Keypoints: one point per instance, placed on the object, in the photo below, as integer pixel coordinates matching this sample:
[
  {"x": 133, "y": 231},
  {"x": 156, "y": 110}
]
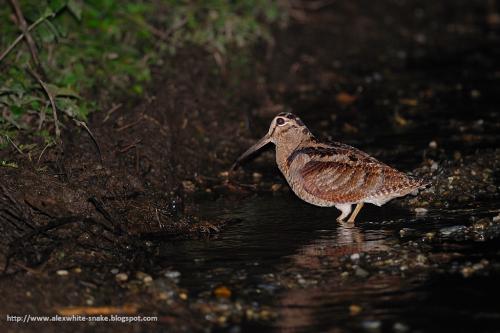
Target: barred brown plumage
[{"x": 331, "y": 173}]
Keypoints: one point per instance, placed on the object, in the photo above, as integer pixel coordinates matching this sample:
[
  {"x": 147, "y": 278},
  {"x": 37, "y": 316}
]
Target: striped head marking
[
  {"x": 286, "y": 130},
  {"x": 286, "y": 127}
]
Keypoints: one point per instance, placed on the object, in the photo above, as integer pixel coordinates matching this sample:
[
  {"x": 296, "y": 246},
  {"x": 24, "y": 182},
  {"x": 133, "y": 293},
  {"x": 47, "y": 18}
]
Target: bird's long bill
[{"x": 261, "y": 143}]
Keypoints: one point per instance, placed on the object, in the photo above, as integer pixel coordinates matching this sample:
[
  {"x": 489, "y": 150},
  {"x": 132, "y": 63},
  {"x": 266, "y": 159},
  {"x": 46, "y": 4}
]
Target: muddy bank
[
  {"x": 66, "y": 211},
  {"x": 415, "y": 85}
]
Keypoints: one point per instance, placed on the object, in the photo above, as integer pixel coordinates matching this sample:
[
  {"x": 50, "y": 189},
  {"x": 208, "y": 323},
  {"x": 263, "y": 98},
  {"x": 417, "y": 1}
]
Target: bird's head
[{"x": 286, "y": 130}]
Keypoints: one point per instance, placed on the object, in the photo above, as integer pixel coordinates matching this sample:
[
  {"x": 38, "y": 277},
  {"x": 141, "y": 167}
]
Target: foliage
[{"x": 96, "y": 49}]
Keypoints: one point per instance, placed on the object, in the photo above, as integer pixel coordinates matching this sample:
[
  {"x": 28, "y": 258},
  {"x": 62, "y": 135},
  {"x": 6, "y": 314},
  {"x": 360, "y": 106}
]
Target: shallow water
[
  {"x": 280, "y": 236},
  {"x": 298, "y": 260}
]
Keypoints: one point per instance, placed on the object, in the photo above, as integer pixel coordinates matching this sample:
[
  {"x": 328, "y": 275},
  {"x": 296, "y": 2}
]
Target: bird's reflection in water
[
  {"x": 346, "y": 240},
  {"x": 299, "y": 307}
]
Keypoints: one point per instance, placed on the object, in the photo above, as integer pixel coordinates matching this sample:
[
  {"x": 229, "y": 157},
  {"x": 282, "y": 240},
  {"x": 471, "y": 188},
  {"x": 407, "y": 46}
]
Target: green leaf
[
  {"x": 61, "y": 91},
  {"x": 75, "y": 7},
  {"x": 57, "y": 5},
  {"x": 16, "y": 110}
]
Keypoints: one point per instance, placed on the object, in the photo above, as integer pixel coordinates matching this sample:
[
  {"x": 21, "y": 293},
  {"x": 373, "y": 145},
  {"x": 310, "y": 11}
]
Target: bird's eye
[{"x": 280, "y": 121}]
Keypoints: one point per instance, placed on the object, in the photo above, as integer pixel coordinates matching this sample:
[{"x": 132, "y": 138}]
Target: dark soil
[{"x": 360, "y": 72}]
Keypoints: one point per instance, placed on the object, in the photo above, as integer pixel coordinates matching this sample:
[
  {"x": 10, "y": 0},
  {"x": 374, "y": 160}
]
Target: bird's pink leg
[{"x": 356, "y": 211}]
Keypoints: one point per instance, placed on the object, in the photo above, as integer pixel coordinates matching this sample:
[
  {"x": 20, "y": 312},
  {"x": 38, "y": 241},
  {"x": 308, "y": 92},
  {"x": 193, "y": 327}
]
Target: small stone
[
  {"x": 496, "y": 218},
  {"x": 163, "y": 296},
  {"x": 355, "y": 256},
  {"x": 421, "y": 211},
  {"x": 449, "y": 230},
  {"x": 77, "y": 270},
  {"x": 188, "y": 186},
  {"x": 430, "y": 235},
  {"x": 371, "y": 325},
  {"x": 482, "y": 224},
  {"x": 421, "y": 259},
  {"x": 256, "y": 176},
  {"x": 114, "y": 271},
  {"x": 360, "y": 272},
  {"x": 433, "y": 144},
  {"x": 62, "y": 272},
  {"x": 400, "y": 327},
  {"x": 141, "y": 276},
  {"x": 183, "y": 296},
  {"x": 224, "y": 174},
  {"x": 174, "y": 275},
  {"x": 121, "y": 277},
  {"x": 491, "y": 188}
]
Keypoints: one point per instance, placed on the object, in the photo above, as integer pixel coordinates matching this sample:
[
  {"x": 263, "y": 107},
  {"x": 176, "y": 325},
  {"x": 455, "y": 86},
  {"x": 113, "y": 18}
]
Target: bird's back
[{"x": 329, "y": 173}]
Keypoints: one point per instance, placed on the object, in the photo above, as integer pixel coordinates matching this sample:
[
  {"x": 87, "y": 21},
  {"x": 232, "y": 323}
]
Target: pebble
[
  {"x": 421, "y": 211},
  {"x": 475, "y": 93},
  {"x": 143, "y": 277},
  {"x": 449, "y": 230},
  {"x": 114, "y": 271},
  {"x": 174, "y": 275},
  {"x": 62, "y": 272},
  {"x": 257, "y": 176},
  {"x": 360, "y": 272},
  {"x": 433, "y": 144},
  {"x": 371, "y": 325},
  {"x": 121, "y": 277},
  {"x": 496, "y": 218},
  {"x": 355, "y": 256},
  {"x": 188, "y": 186},
  {"x": 400, "y": 327}
]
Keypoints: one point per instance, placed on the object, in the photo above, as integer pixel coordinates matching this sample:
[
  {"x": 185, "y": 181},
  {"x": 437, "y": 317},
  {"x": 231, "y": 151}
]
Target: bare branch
[
  {"x": 24, "y": 28},
  {"x": 20, "y": 37}
]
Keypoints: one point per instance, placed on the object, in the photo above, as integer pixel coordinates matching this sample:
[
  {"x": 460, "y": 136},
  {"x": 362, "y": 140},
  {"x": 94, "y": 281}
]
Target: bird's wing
[{"x": 345, "y": 181}]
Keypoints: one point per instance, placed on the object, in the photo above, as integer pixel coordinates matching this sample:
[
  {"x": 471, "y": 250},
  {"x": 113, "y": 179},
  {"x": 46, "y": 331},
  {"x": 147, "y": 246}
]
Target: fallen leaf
[
  {"x": 345, "y": 99},
  {"x": 408, "y": 101},
  {"x": 222, "y": 292},
  {"x": 97, "y": 310}
]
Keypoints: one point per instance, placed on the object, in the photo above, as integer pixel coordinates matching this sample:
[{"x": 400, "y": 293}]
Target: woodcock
[{"x": 330, "y": 173}]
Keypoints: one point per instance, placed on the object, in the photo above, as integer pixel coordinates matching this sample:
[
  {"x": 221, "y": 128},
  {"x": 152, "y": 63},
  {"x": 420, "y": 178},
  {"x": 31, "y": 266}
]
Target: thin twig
[
  {"x": 113, "y": 109},
  {"x": 43, "y": 151},
  {"x": 24, "y": 28},
  {"x": 51, "y": 98},
  {"x": 13, "y": 144},
  {"x": 84, "y": 125},
  {"x": 132, "y": 124}
]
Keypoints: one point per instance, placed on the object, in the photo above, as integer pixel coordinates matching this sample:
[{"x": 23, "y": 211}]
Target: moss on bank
[{"x": 87, "y": 52}]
